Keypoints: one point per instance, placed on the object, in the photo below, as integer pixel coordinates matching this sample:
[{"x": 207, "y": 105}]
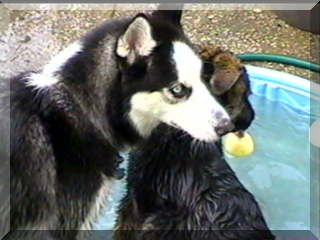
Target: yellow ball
[{"x": 237, "y": 145}]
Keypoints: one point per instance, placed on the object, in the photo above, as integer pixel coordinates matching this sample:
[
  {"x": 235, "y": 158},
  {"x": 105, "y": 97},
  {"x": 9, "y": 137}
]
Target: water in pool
[{"x": 278, "y": 173}]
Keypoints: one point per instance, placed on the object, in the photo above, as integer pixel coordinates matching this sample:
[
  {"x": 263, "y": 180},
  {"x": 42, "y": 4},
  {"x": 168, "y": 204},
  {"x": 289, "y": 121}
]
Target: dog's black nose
[{"x": 225, "y": 126}]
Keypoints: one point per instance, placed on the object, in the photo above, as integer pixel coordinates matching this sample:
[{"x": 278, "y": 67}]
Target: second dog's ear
[
  {"x": 173, "y": 16},
  {"x": 223, "y": 80},
  {"x": 137, "y": 40}
]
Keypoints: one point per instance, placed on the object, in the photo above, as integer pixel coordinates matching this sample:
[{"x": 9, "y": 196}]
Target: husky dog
[
  {"x": 181, "y": 188},
  {"x": 102, "y": 94}
]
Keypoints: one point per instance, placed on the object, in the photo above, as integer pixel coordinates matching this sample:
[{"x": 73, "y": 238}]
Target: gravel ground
[
  {"x": 32, "y": 37},
  {"x": 253, "y": 32}
]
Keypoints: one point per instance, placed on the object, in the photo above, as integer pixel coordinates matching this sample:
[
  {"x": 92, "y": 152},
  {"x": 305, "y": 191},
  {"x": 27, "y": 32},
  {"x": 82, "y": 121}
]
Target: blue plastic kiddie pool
[{"x": 283, "y": 172}]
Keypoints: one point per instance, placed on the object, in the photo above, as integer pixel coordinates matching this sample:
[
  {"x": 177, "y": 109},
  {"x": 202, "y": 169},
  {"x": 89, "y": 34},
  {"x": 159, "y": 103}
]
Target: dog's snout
[
  {"x": 224, "y": 126},
  {"x": 218, "y": 115}
]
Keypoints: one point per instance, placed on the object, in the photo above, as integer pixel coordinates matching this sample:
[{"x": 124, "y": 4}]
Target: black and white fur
[
  {"x": 102, "y": 94},
  {"x": 180, "y": 188}
]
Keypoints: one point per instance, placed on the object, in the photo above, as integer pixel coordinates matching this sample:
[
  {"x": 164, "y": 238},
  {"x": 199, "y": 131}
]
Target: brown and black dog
[{"x": 230, "y": 84}]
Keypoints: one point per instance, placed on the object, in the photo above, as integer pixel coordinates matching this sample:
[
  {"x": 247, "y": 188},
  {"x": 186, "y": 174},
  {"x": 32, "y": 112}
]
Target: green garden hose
[{"x": 256, "y": 57}]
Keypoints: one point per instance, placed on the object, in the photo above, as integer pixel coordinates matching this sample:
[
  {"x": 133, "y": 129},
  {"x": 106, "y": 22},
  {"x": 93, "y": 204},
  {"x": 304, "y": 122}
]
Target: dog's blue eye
[
  {"x": 180, "y": 91},
  {"x": 177, "y": 89}
]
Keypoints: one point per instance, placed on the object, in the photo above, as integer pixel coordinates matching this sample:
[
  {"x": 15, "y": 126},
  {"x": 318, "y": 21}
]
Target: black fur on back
[
  {"x": 182, "y": 189},
  {"x": 57, "y": 161}
]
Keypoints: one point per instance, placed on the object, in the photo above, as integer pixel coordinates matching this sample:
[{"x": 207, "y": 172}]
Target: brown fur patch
[{"x": 228, "y": 68}]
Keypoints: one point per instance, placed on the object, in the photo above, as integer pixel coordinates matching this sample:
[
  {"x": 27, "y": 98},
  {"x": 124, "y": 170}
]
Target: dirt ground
[{"x": 29, "y": 38}]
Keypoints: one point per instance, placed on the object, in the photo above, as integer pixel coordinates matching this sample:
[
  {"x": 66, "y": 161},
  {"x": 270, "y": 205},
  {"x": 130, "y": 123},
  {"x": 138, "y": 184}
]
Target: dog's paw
[
  {"x": 119, "y": 173},
  {"x": 115, "y": 171}
]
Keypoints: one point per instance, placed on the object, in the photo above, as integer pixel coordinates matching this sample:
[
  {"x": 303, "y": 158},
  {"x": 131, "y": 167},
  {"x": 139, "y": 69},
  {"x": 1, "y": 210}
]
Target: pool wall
[{"x": 284, "y": 87}]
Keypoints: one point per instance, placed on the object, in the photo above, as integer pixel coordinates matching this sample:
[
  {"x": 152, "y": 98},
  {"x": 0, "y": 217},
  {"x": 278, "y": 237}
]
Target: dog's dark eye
[
  {"x": 207, "y": 71},
  {"x": 179, "y": 90}
]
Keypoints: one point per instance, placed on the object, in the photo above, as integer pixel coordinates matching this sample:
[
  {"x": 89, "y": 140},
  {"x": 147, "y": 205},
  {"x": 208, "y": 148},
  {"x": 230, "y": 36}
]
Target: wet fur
[{"x": 179, "y": 188}]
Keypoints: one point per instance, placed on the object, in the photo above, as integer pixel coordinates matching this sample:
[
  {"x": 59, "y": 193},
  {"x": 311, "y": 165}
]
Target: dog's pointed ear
[
  {"x": 174, "y": 16},
  {"x": 223, "y": 80},
  {"x": 137, "y": 39},
  {"x": 171, "y": 12}
]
